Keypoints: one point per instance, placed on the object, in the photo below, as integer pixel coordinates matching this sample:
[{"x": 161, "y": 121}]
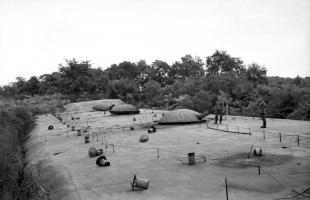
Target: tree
[
  {"x": 158, "y": 72},
  {"x": 124, "y": 70},
  {"x": 221, "y": 62},
  {"x": 152, "y": 93},
  {"x": 256, "y": 74},
  {"x": 76, "y": 77},
  {"x": 32, "y": 86},
  {"x": 188, "y": 67}
]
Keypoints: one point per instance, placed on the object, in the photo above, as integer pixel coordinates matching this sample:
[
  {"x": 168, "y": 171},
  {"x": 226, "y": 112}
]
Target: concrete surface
[{"x": 170, "y": 176}]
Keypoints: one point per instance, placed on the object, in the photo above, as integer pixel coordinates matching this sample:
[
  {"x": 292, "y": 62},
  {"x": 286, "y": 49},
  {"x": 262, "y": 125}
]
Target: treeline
[{"x": 188, "y": 83}]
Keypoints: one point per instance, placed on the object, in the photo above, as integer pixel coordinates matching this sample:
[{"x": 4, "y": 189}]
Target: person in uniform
[
  {"x": 262, "y": 111},
  {"x": 219, "y": 108}
]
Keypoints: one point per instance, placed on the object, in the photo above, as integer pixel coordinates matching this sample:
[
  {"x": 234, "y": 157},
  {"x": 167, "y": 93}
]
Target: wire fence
[{"x": 293, "y": 138}]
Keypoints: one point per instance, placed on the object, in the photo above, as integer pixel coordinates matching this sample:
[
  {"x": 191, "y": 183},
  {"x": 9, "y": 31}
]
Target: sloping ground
[
  {"x": 56, "y": 178},
  {"x": 87, "y": 106},
  {"x": 163, "y": 159}
]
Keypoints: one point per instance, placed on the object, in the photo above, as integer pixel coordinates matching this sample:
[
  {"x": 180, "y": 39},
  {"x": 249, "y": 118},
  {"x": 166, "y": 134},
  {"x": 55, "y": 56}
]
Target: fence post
[
  {"x": 157, "y": 152},
  {"x": 264, "y": 134},
  {"x": 280, "y": 137},
  {"x": 258, "y": 169},
  {"x": 226, "y": 188},
  {"x": 298, "y": 140}
]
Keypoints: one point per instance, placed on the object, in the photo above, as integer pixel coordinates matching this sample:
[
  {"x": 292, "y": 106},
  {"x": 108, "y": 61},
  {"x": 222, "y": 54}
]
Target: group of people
[{"x": 221, "y": 104}]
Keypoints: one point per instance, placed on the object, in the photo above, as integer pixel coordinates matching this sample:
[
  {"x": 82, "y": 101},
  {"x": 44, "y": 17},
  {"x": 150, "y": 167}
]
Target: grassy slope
[{"x": 16, "y": 120}]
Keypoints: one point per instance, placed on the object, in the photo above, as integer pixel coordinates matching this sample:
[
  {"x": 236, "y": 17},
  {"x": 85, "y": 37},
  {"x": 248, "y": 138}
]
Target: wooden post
[
  {"x": 264, "y": 135},
  {"x": 258, "y": 167},
  {"x": 298, "y": 140},
  {"x": 157, "y": 152},
  {"x": 226, "y": 188},
  {"x": 280, "y": 137}
]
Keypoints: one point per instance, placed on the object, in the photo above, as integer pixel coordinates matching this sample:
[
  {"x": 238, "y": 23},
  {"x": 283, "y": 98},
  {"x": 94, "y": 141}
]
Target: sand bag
[{"x": 144, "y": 138}]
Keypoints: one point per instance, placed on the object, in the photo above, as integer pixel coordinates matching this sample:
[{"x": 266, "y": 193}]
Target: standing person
[
  {"x": 219, "y": 107},
  {"x": 262, "y": 110}
]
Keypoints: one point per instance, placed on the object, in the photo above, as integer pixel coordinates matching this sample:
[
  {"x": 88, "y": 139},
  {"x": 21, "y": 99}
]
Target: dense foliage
[{"x": 190, "y": 82}]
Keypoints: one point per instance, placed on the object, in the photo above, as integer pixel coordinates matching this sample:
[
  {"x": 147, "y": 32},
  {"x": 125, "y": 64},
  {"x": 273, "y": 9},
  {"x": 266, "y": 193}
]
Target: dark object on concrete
[
  {"x": 152, "y": 129},
  {"x": 144, "y": 138},
  {"x": 86, "y": 139},
  {"x": 79, "y": 132},
  {"x": 50, "y": 127},
  {"x": 93, "y": 152},
  {"x": 132, "y": 128},
  {"x": 139, "y": 183},
  {"x": 191, "y": 158},
  {"x": 124, "y": 109},
  {"x": 103, "y": 107},
  {"x": 258, "y": 152},
  {"x": 180, "y": 116},
  {"x": 72, "y": 128},
  {"x": 102, "y": 161},
  {"x": 72, "y": 118},
  {"x": 68, "y": 125}
]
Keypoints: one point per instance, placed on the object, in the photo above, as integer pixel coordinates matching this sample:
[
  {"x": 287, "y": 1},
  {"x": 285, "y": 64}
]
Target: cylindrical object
[
  {"x": 280, "y": 137},
  {"x": 142, "y": 183},
  {"x": 191, "y": 158},
  {"x": 72, "y": 128},
  {"x": 86, "y": 139}
]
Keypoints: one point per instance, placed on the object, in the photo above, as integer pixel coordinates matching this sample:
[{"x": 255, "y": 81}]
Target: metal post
[
  {"x": 157, "y": 152},
  {"x": 226, "y": 188},
  {"x": 280, "y": 137},
  {"x": 298, "y": 140},
  {"x": 258, "y": 169}
]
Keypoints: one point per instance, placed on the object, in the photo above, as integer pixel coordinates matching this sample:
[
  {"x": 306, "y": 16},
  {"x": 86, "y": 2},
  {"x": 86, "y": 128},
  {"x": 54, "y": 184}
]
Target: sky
[{"x": 38, "y": 35}]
